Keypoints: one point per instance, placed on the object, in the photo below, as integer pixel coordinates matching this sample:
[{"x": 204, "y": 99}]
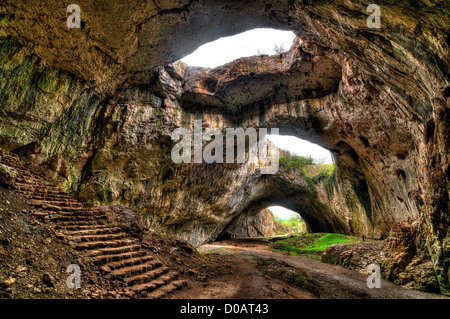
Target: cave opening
[
  {"x": 300, "y": 147},
  {"x": 260, "y": 41},
  {"x": 287, "y": 202},
  {"x": 267, "y": 220},
  {"x": 287, "y": 221}
]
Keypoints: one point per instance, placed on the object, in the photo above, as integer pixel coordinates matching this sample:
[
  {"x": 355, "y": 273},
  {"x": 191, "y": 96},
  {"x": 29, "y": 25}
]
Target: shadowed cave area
[{"x": 95, "y": 109}]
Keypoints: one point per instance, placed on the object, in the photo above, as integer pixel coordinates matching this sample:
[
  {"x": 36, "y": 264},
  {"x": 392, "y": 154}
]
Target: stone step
[
  {"x": 70, "y": 226},
  {"x": 104, "y": 259},
  {"x": 102, "y": 244},
  {"x": 167, "y": 289},
  {"x": 108, "y": 252},
  {"x": 94, "y": 231},
  {"x": 38, "y": 188},
  {"x": 89, "y": 223},
  {"x": 43, "y": 192},
  {"x": 59, "y": 209},
  {"x": 74, "y": 210},
  {"x": 48, "y": 204},
  {"x": 76, "y": 218},
  {"x": 50, "y": 197},
  {"x": 95, "y": 238},
  {"x": 136, "y": 269},
  {"x": 67, "y": 219},
  {"x": 10, "y": 161},
  {"x": 156, "y": 283},
  {"x": 76, "y": 213},
  {"x": 54, "y": 201},
  {"x": 6, "y": 154},
  {"x": 40, "y": 214},
  {"x": 146, "y": 277},
  {"x": 26, "y": 177},
  {"x": 77, "y": 225},
  {"x": 124, "y": 263},
  {"x": 30, "y": 180}
]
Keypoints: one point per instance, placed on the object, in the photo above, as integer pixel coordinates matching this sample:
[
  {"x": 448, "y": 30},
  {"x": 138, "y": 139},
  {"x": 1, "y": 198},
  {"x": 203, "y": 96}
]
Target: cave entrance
[
  {"x": 287, "y": 222},
  {"x": 272, "y": 221},
  {"x": 287, "y": 202},
  {"x": 261, "y": 41},
  {"x": 299, "y": 147}
]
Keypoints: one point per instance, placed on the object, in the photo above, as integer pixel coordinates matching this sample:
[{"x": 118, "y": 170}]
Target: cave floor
[{"x": 256, "y": 272}]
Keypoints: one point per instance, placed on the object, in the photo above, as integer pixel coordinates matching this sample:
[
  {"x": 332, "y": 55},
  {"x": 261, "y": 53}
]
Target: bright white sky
[
  {"x": 301, "y": 147},
  {"x": 224, "y": 50},
  {"x": 254, "y": 42},
  {"x": 282, "y": 212}
]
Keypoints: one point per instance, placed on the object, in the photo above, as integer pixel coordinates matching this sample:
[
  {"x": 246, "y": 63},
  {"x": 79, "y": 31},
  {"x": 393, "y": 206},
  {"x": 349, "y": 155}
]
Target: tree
[
  {"x": 279, "y": 49},
  {"x": 259, "y": 52}
]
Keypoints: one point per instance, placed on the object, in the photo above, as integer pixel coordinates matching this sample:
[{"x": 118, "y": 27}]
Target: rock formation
[
  {"x": 402, "y": 257},
  {"x": 106, "y": 98},
  {"x": 261, "y": 224}
]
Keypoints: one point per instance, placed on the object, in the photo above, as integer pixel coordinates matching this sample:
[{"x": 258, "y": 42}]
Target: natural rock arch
[{"x": 275, "y": 190}]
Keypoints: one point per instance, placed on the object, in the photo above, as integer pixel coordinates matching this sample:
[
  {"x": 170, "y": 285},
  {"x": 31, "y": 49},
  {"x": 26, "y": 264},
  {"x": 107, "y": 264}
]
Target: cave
[
  {"x": 104, "y": 98},
  {"x": 260, "y": 41},
  {"x": 268, "y": 222}
]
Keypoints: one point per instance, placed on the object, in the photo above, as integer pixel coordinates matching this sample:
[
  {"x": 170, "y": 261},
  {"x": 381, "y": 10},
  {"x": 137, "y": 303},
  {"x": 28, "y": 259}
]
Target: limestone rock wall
[
  {"x": 402, "y": 257},
  {"x": 261, "y": 224}
]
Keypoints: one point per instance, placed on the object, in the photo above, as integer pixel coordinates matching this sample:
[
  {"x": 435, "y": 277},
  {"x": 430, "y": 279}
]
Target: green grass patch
[{"x": 312, "y": 245}]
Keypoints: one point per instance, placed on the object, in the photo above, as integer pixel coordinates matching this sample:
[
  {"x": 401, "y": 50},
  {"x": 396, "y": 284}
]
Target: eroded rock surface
[
  {"x": 401, "y": 257},
  {"x": 261, "y": 224}
]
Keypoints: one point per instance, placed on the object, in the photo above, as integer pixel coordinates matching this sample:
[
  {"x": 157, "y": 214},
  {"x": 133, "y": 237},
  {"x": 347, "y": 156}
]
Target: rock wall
[
  {"x": 261, "y": 224},
  {"x": 402, "y": 257},
  {"x": 106, "y": 98}
]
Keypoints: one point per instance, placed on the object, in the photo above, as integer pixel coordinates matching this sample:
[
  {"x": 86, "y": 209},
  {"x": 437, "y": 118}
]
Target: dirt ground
[
  {"x": 242, "y": 279},
  {"x": 34, "y": 258},
  {"x": 34, "y": 261},
  {"x": 256, "y": 272}
]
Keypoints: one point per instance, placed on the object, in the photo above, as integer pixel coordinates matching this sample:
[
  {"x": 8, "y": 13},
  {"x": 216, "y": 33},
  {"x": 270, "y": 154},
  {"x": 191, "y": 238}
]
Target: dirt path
[
  {"x": 246, "y": 279},
  {"x": 241, "y": 280}
]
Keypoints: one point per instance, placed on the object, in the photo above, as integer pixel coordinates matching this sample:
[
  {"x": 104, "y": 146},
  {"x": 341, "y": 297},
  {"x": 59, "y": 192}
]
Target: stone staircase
[{"x": 119, "y": 256}]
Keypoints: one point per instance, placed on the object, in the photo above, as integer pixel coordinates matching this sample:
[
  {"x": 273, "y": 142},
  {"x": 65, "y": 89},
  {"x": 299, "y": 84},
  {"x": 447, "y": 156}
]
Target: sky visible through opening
[
  {"x": 249, "y": 43},
  {"x": 299, "y": 147},
  {"x": 282, "y": 212}
]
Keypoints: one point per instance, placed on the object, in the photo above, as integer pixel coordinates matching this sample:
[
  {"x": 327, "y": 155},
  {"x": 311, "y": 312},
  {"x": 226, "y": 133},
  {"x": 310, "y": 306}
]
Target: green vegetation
[
  {"x": 293, "y": 225},
  {"x": 316, "y": 173},
  {"x": 310, "y": 168},
  {"x": 104, "y": 187},
  {"x": 311, "y": 245},
  {"x": 295, "y": 162}
]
